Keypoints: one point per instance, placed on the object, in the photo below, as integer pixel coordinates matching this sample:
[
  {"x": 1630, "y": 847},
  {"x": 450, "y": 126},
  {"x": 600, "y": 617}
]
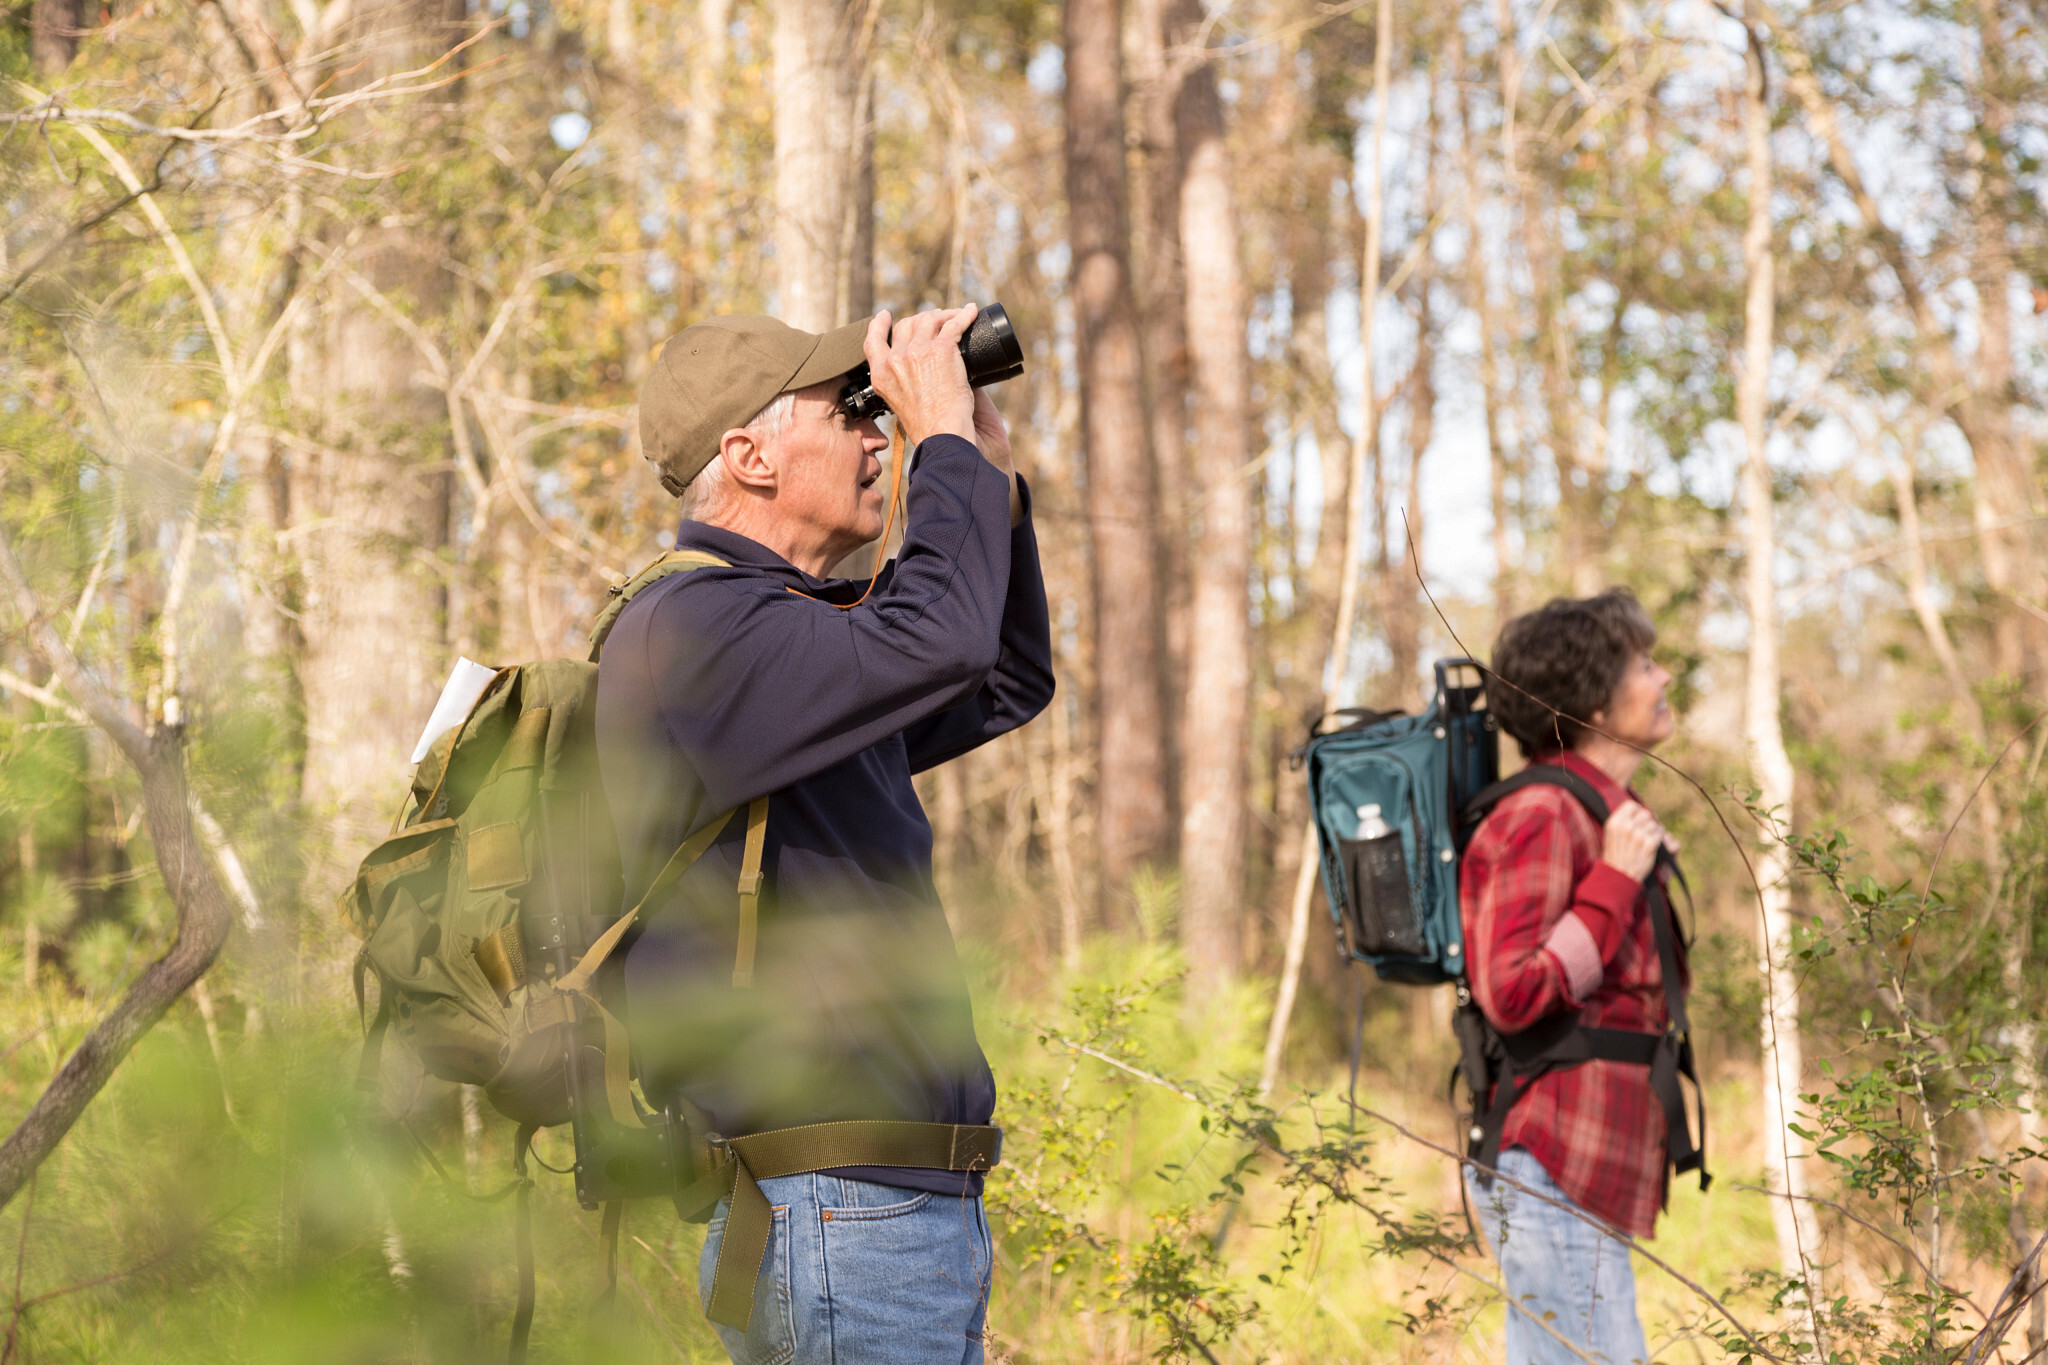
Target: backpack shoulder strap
[
  {"x": 1535, "y": 775},
  {"x": 675, "y": 561}
]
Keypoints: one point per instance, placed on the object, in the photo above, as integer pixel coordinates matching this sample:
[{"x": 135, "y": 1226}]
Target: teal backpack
[{"x": 1386, "y": 788}]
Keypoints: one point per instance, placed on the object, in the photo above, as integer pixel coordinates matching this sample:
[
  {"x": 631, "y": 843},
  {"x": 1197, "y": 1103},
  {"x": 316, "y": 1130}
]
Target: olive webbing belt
[{"x": 798, "y": 1151}]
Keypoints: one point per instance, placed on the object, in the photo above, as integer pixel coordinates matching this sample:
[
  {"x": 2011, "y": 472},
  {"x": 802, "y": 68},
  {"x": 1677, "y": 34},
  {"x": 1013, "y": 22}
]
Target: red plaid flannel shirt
[{"x": 1550, "y": 927}]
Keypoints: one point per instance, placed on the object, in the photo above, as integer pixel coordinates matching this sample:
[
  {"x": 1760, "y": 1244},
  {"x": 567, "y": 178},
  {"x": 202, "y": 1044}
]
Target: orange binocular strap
[{"x": 888, "y": 522}]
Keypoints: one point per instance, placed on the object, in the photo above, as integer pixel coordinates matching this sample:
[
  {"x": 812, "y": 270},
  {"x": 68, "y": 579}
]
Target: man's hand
[
  {"x": 992, "y": 434},
  {"x": 915, "y": 364},
  {"x": 1630, "y": 841}
]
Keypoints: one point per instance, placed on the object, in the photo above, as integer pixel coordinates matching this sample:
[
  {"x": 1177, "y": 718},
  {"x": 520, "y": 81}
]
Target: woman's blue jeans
[
  {"x": 1559, "y": 1270},
  {"x": 862, "y": 1274}
]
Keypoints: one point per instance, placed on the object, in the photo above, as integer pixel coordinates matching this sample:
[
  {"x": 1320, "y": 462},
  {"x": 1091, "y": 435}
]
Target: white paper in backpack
[{"x": 466, "y": 682}]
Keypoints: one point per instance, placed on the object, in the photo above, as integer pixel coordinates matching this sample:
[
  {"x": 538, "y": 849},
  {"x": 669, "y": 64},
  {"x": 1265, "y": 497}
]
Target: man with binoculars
[{"x": 797, "y": 989}]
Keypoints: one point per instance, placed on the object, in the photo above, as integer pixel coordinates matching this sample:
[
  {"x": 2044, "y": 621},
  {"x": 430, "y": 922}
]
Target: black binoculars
[{"x": 989, "y": 346}]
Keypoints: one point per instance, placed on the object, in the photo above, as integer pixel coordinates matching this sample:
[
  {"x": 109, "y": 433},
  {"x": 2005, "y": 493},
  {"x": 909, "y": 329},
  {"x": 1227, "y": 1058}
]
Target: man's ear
[{"x": 746, "y": 462}]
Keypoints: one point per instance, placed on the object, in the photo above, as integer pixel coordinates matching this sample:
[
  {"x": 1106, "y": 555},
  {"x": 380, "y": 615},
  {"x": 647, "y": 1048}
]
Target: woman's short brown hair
[{"x": 1555, "y": 666}]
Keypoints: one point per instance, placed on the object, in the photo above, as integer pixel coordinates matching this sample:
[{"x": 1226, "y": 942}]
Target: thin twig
[
  {"x": 28, "y": 1211},
  {"x": 1927, "y": 890},
  {"x": 1855, "y": 1218}
]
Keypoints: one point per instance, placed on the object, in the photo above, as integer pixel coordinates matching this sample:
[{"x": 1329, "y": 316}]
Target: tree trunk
[
  {"x": 1578, "y": 539},
  {"x": 369, "y": 507},
  {"x": 1479, "y": 285},
  {"x": 1309, "y": 282},
  {"x": 1403, "y": 594},
  {"x": 1308, "y": 240},
  {"x": 1401, "y": 556},
  {"x": 1218, "y": 695},
  {"x": 860, "y": 231},
  {"x": 53, "y": 30},
  {"x": 1578, "y": 532},
  {"x": 1131, "y": 796},
  {"x": 700, "y": 148},
  {"x": 2003, "y": 488},
  {"x": 1763, "y": 733},
  {"x": 1365, "y": 445},
  {"x": 821, "y": 58},
  {"x": 1162, "y": 298},
  {"x": 1309, "y": 248}
]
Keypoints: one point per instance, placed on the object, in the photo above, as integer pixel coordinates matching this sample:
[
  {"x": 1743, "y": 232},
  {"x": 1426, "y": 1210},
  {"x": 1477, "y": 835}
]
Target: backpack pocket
[
  {"x": 412, "y": 862},
  {"x": 1385, "y": 877},
  {"x": 437, "y": 1000},
  {"x": 533, "y": 1084},
  {"x": 1383, "y": 914}
]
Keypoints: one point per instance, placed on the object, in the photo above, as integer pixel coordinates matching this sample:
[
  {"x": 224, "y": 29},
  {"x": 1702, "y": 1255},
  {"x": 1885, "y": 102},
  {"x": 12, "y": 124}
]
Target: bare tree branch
[{"x": 204, "y": 914}]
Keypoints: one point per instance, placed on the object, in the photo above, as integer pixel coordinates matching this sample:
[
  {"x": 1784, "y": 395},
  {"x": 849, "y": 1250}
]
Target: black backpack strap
[
  {"x": 1535, "y": 775},
  {"x": 1674, "y": 1047}
]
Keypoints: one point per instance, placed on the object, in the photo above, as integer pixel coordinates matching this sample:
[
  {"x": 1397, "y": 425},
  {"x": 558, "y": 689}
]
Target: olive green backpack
[{"x": 487, "y": 912}]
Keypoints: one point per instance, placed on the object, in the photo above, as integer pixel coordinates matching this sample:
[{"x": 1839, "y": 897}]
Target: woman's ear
[{"x": 746, "y": 463}]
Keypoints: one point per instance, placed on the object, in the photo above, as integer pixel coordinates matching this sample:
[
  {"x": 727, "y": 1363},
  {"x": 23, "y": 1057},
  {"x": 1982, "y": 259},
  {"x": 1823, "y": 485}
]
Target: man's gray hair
[{"x": 708, "y": 495}]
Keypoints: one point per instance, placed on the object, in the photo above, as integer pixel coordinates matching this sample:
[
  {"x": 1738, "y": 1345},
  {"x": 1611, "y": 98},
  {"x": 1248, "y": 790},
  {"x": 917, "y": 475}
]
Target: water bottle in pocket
[{"x": 1382, "y": 899}]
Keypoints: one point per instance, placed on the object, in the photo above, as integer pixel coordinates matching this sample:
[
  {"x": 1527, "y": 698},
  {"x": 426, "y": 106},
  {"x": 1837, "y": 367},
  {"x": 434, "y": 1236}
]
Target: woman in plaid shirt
[{"x": 1556, "y": 918}]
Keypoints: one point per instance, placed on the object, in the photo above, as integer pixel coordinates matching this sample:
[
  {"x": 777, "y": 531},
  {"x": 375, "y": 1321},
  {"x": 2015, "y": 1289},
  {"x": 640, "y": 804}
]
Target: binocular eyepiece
[{"x": 989, "y": 346}]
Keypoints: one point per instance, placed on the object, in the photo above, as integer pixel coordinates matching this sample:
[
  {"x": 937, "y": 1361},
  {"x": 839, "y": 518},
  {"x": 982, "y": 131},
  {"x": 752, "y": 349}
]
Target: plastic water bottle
[{"x": 1383, "y": 903}]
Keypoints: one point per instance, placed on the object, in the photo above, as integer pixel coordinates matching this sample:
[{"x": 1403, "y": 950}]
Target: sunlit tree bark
[
  {"x": 1218, "y": 698},
  {"x": 53, "y": 28},
  {"x": 821, "y": 57},
  {"x": 1122, "y": 498},
  {"x": 1159, "y": 69},
  {"x": 1763, "y": 732},
  {"x": 369, "y": 500},
  {"x": 1479, "y": 288},
  {"x": 708, "y": 60},
  {"x": 2004, "y": 489}
]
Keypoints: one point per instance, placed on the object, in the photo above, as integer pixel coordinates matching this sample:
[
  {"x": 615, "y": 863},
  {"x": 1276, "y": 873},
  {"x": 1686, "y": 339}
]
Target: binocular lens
[{"x": 989, "y": 347}]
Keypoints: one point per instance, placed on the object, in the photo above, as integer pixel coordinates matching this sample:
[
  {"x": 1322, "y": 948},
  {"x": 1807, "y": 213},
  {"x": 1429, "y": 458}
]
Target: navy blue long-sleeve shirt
[{"x": 725, "y": 684}]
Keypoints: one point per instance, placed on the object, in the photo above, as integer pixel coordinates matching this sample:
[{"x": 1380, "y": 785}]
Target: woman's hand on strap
[{"x": 1630, "y": 841}]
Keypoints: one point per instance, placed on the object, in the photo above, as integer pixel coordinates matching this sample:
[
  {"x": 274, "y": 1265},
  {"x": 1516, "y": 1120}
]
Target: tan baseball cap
[{"x": 716, "y": 375}]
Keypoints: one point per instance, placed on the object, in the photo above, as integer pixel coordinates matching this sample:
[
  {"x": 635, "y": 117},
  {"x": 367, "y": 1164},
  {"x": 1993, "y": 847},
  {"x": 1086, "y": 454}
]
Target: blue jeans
[
  {"x": 862, "y": 1274},
  {"x": 1559, "y": 1270}
]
